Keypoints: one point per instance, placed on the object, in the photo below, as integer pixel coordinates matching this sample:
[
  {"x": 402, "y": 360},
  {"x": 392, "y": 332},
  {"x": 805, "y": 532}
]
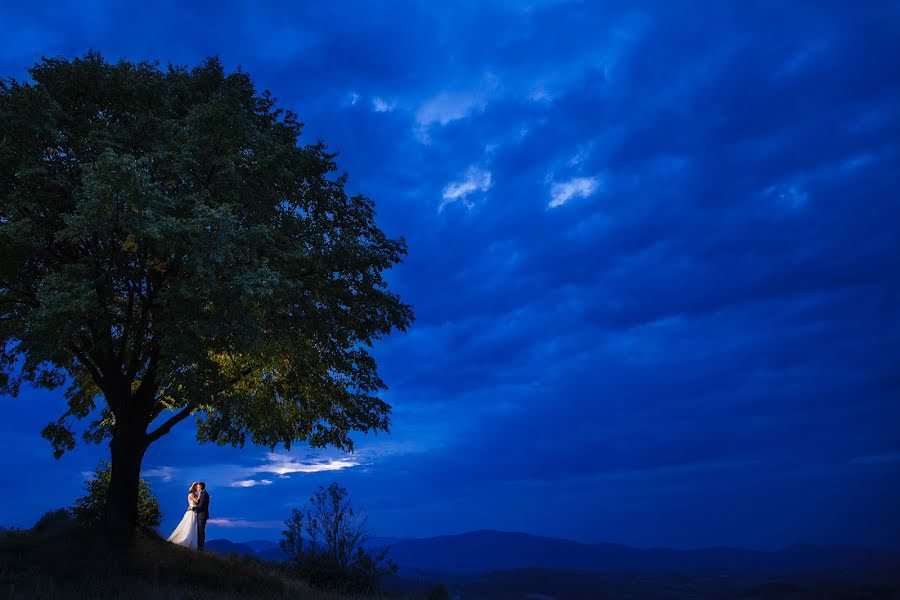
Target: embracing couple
[{"x": 191, "y": 532}]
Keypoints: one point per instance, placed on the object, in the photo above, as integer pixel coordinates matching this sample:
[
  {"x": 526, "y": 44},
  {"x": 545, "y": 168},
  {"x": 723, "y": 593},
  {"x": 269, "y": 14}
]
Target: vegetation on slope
[{"x": 64, "y": 559}]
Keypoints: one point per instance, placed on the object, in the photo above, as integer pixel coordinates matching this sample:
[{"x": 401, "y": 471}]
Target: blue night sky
[{"x": 652, "y": 256}]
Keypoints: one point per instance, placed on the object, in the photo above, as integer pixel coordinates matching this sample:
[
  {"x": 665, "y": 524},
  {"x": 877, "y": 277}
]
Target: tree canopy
[{"x": 169, "y": 249}]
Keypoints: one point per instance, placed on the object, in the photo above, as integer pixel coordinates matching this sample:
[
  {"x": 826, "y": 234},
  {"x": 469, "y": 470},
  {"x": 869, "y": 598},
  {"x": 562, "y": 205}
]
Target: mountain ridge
[{"x": 487, "y": 550}]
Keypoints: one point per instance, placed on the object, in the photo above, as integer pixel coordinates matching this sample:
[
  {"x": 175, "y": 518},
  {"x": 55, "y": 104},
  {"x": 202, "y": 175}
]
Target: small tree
[
  {"x": 326, "y": 544},
  {"x": 90, "y": 508},
  {"x": 51, "y": 520}
]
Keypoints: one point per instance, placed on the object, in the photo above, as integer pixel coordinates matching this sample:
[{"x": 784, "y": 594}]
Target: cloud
[
  {"x": 580, "y": 187},
  {"x": 475, "y": 180},
  {"x": 703, "y": 319},
  {"x": 242, "y": 476},
  {"x": 539, "y": 94},
  {"x": 788, "y": 195},
  {"x": 232, "y": 523},
  {"x": 285, "y": 464},
  {"x": 379, "y": 105},
  {"x": 580, "y": 156},
  {"x": 245, "y": 483},
  {"x": 447, "y": 107},
  {"x": 278, "y": 464},
  {"x": 163, "y": 473}
]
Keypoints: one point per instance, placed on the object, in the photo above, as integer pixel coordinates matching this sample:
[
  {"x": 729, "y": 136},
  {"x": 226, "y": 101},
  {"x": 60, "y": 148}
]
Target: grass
[{"x": 72, "y": 561}]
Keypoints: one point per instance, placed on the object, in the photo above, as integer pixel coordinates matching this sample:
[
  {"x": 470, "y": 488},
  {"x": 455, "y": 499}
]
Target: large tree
[{"x": 169, "y": 249}]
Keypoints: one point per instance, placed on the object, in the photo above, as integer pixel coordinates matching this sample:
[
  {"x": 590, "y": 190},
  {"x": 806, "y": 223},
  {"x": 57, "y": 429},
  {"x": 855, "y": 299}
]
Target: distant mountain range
[
  {"x": 263, "y": 549},
  {"x": 487, "y": 550},
  {"x": 268, "y": 550}
]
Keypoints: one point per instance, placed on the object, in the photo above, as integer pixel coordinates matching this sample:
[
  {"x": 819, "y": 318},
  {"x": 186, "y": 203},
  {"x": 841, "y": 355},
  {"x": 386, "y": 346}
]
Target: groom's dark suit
[{"x": 202, "y": 510}]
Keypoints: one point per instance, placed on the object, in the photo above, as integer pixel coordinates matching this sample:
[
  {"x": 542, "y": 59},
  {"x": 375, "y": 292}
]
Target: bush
[
  {"x": 52, "y": 519},
  {"x": 90, "y": 508},
  {"x": 325, "y": 545}
]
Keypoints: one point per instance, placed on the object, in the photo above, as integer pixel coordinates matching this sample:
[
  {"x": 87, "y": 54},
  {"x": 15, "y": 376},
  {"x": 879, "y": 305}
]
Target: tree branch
[
  {"x": 185, "y": 412},
  {"x": 174, "y": 420},
  {"x": 137, "y": 357},
  {"x": 129, "y": 312},
  {"x": 28, "y": 294},
  {"x": 148, "y": 386},
  {"x": 84, "y": 360}
]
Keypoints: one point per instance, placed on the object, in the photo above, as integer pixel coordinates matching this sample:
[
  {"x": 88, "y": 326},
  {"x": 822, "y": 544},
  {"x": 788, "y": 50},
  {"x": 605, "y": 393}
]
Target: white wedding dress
[{"x": 186, "y": 532}]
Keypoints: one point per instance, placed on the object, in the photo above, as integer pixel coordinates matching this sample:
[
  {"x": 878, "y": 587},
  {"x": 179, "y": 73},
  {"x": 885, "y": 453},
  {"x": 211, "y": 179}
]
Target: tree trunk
[{"x": 127, "y": 452}]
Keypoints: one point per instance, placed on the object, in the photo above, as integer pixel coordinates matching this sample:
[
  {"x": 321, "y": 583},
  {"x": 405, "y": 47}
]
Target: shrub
[
  {"x": 53, "y": 518},
  {"x": 90, "y": 507},
  {"x": 325, "y": 544}
]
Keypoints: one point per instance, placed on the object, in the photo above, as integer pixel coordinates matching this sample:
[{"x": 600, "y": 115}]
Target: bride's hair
[{"x": 193, "y": 485}]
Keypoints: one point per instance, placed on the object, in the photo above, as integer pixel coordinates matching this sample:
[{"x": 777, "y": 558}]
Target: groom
[{"x": 202, "y": 510}]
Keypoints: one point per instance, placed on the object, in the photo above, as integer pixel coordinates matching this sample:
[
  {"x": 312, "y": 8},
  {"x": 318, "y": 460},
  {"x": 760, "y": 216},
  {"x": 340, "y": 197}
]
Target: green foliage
[
  {"x": 169, "y": 246},
  {"x": 89, "y": 508},
  {"x": 325, "y": 544}
]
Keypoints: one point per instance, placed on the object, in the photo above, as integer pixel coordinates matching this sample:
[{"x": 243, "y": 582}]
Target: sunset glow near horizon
[{"x": 653, "y": 258}]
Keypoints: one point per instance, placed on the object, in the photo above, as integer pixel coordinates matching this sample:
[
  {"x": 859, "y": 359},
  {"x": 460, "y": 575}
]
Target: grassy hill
[{"x": 68, "y": 560}]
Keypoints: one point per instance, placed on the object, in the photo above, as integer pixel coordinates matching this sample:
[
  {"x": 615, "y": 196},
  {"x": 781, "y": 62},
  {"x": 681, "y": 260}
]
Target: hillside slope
[{"x": 71, "y": 561}]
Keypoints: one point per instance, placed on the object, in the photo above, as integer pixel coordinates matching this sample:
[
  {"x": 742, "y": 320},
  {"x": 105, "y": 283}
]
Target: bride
[{"x": 186, "y": 532}]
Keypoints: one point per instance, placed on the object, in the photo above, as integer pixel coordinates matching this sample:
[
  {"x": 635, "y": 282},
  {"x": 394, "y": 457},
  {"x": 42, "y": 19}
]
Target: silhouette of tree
[{"x": 326, "y": 544}]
